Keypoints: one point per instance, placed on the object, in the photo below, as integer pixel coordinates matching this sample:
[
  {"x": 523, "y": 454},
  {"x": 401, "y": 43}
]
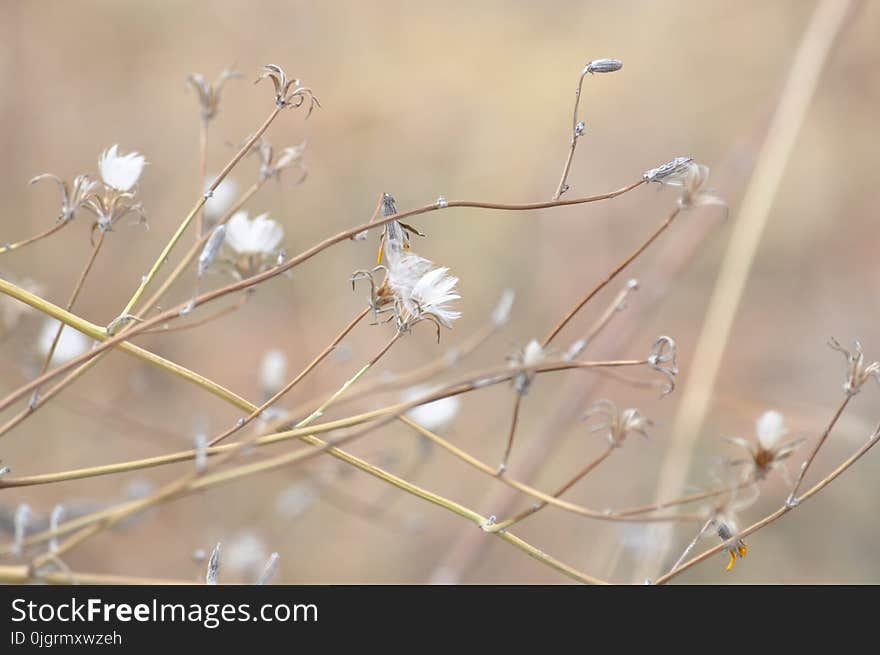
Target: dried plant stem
[
  {"x": 73, "y": 296},
  {"x": 692, "y": 544},
  {"x": 166, "y": 251},
  {"x": 562, "y": 188},
  {"x": 203, "y": 172},
  {"x": 9, "y": 247},
  {"x": 510, "y": 435},
  {"x": 503, "y": 525},
  {"x": 500, "y": 375},
  {"x": 210, "y": 318},
  {"x": 824, "y": 29},
  {"x": 290, "y": 385},
  {"x": 613, "y": 274},
  {"x": 23, "y": 574},
  {"x": 806, "y": 465},
  {"x": 549, "y": 499},
  {"x": 174, "y": 488},
  {"x": 683, "y": 500},
  {"x": 196, "y": 248},
  {"x": 195, "y": 483},
  {"x": 101, "y": 333},
  {"x": 779, "y": 513},
  {"x": 43, "y": 398}
]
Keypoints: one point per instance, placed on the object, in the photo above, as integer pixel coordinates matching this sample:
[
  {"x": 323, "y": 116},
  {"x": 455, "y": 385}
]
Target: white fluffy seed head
[{"x": 120, "y": 172}]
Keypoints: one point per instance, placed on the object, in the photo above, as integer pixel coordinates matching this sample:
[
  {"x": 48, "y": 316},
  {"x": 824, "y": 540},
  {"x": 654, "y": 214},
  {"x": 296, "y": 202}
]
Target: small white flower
[
  {"x": 221, "y": 200},
  {"x": 260, "y": 236},
  {"x": 120, "y": 171},
  {"x": 434, "y": 415},
  {"x": 533, "y": 353},
  {"x": 769, "y": 428},
  {"x": 71, "y": 344},
  {"x": 273, "y": 371}
]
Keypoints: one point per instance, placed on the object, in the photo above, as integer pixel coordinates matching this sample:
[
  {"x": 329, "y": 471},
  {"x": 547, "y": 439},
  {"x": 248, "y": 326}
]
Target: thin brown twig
[
  {"x": 9, "y": 247},
  {"x": 132, "y": 330}
]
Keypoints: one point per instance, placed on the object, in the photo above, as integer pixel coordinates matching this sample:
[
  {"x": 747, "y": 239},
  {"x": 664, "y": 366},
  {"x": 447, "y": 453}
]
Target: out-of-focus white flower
[
  {"x": 245, "y": 554},
  {"x": 120, "y": 171},
  {"x": 273, "y": 371},
  {"x": 769, "y": 427},
  {"x": 294, "y": 500},
  {"x": 72, "y": 343},
  {"x": 435, "y": 415},
  {"x": 258, "y": 236},
  {"x": 221, "y": 200}
]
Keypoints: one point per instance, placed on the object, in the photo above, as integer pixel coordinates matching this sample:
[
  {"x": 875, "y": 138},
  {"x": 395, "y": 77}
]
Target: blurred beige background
[{"x": 472, "y": 101}]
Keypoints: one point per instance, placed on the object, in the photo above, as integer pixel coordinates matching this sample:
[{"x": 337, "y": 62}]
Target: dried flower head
[
  {"x": 412, "y": 291},
  {"x": 289, "y": 157},
  {"x": 288, "y": 91},
  {"x": 725, "y": 528},
  {"x": 603, "y": 66},
  {"x": 662, "y": 359},
  {"x": 72, "y": 198},
  {"x": 209, "y": 94},
  {"x": 245, "y": 554},
  {"x": 766, "y": 453},
  {"x": 857, "y": 370},
  {"x": 618, "y": 424},
  {"x": 396, "y": 236},
  {"x": 529, "y": 356}
]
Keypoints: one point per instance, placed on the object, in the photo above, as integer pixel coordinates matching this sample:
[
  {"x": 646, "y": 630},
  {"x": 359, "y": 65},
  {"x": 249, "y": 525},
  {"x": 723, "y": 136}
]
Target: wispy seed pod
[
  {"x": 501, "y": 313},
  {"x": 603, "y": 66},
  {"x": 201, "y": 443},
  {"x": 213, "y": 565},
  {"x": 54, "y": 520},
  {"x": 676, "y": 166},
  {"x": 20, "y": 521},
  {"x": 212, "y": 247},
  {"x": 269, "y": 570}
]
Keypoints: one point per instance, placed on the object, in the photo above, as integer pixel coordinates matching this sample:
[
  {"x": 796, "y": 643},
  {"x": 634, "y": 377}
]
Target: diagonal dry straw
[{"x": 826, "y": 24}]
